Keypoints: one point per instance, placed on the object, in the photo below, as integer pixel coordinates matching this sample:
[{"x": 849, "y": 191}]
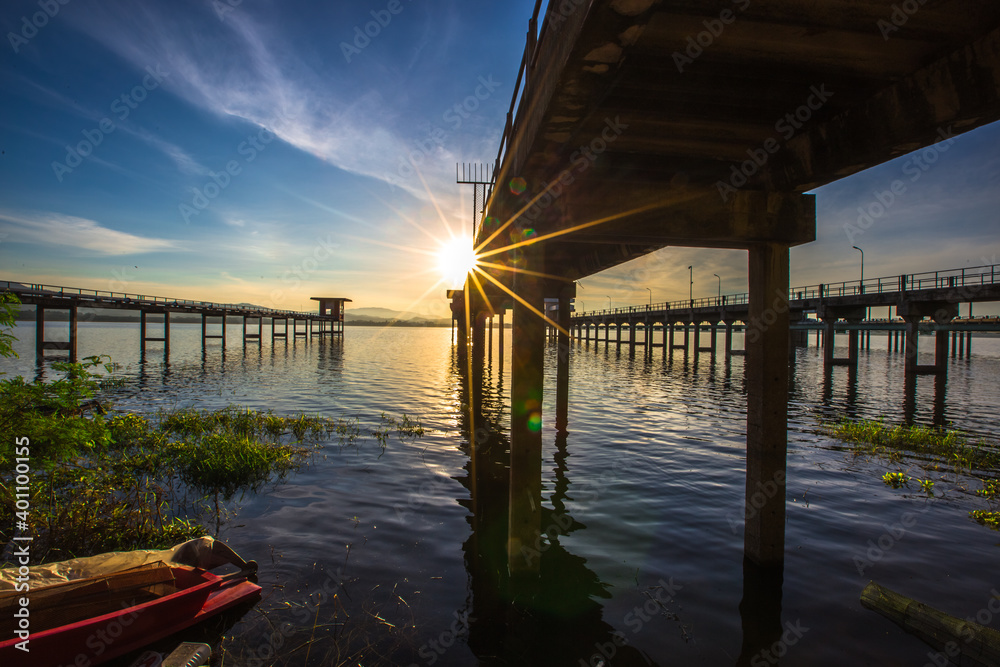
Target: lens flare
[
  {"x": 455, "y": 259},
  {"x": 518, "y": 185}
]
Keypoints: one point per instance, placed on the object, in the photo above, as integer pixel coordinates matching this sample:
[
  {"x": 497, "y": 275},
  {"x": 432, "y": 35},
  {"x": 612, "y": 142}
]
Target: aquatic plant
[
  {"x": 936, "y": 448},
  {"x": 104, "y": 482},
  {"x": 895, "y": 479},
  {"x": 987, "y": 518}
]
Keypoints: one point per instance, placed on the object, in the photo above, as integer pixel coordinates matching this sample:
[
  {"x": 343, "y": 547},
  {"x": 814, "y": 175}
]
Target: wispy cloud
[
  {"x": 46, "y": 228},
  {"x": 244, "y": 70},
  {"x": 46, "y": 95}
]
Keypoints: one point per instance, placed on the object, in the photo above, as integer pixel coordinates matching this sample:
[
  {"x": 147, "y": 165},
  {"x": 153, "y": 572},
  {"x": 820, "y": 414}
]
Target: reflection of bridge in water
[
  {"x": 559, "y": 618},
  {"x": 614, "y": 147}
]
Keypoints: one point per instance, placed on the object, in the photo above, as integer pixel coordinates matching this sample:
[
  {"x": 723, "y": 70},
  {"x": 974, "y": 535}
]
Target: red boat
[{"x": 91, "y": 620}]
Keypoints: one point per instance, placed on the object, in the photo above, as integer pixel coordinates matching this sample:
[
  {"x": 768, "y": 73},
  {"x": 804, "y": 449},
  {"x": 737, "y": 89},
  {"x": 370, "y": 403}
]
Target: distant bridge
[{"x": 329, "y": 320}]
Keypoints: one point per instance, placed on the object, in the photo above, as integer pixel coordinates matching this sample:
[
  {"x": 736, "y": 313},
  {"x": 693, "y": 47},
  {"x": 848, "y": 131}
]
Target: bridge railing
[
  {"x": 972, "y": 276},
  {"x": 531, "y": 42},
  {"x": 39, "y": 290}
]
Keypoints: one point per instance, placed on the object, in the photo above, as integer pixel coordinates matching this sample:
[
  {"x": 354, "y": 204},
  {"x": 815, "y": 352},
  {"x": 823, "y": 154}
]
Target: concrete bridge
[
  {"x": 328, "y": 321},
  {"x": 641, "y": 124},
  {"x": 936, "y": 294}
]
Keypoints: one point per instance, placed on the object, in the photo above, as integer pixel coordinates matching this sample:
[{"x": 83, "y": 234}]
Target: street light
[
  {"x": 720, "y": 286},
  {"x": 691, "y": 286},
  {"x": 861, "y": 285},
  {"x": 650, "y": 296},
  {"x": 609, "y": 301}
]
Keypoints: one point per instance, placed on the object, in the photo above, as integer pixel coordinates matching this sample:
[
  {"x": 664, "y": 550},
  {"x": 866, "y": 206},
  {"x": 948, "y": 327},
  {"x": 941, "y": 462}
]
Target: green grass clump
[
  {"x": 987, "y": 518},
  {"x": 944, "y": 448},
  {"x": 896, "y": 480},
  {"x": 109, "y": 482},
  {"x": 953, "y": 446}
]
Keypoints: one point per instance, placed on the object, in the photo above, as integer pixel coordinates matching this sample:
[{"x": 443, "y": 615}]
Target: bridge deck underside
[{"x": 701, "y": 123}]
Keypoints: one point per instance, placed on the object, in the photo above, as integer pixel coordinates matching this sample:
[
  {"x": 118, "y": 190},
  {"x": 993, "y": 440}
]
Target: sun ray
[
  {"x": 569, "y": 230},
  {"x": 395, "y": 246},
  {"x": 514, "y": 217},
  {"x": 514, "y": 269},
  {"x": 523, "y": 302}
]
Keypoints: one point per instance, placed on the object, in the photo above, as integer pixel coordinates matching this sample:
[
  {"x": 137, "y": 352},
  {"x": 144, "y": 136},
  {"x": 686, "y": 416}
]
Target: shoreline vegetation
[
  {"x": 932, "y": 450},
  {"x": 102, "y": 480}
]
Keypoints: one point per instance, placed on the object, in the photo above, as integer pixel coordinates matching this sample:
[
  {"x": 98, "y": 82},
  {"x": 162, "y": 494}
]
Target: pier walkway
[{"x": 329, "y": 321}]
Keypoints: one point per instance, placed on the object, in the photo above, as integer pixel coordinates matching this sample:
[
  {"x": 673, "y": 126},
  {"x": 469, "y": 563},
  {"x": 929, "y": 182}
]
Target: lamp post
[
  {"x": 720, "y": 286},
  {"x": 861, "y": 285},
  {"x": 609, "y": 301},
  {"x": 691, "y": 285},
  {"x": 650, "y": 296}
]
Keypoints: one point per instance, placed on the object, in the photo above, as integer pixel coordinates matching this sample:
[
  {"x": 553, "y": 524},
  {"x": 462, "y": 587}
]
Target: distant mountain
[{"x": 380, "y": 314}]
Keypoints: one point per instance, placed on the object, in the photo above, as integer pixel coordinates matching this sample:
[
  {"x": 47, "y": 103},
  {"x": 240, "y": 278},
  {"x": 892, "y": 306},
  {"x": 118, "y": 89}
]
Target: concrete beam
[{"x": 953, "y": 94}]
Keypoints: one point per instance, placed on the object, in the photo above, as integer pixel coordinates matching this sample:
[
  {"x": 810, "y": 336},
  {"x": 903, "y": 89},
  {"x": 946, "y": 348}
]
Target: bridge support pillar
[
  {"x": 73, "y": 322},
  {"x": 479, "y": 315},
  {"x": 500, "y": 334},
  {"x": 39, "y": 333},
  {"x": 912, "y": 313},
  {"x": 525, "y": 502},
  {"x": 729, "y": 340},
  {"x": 767, "y": 405},
  {"x": 562, "y": 362}
]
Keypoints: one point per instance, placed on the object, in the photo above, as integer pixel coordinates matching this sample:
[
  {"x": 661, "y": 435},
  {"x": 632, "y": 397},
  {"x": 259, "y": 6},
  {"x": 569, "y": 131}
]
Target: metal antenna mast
[{"x": 480, "y": 177}]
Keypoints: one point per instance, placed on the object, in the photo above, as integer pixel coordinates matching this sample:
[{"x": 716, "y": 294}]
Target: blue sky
[{"x": 237, "y": 151}]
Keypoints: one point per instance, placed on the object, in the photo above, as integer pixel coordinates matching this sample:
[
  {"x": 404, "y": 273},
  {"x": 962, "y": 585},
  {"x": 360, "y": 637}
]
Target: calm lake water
[{"x": 647, "y": 490}]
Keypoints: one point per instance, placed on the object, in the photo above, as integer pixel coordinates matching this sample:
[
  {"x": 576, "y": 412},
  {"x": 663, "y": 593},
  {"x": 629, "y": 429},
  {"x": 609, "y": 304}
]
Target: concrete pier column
[
  {"x": 670, "y": 338},
  {"x": 961, "y": 345},
  {"x": 142, "y": 332},
  {"x": 829, "y": 336},
  {"x": 73, "y": 321},
  {"x": 852, "y": 349},
  {"x": 767, "y": 405},
  {"x": 714, "y": 338},
  {"x": 910, "y": 349},
  {"x": 941, "y": 351},
  {"x": 39, "y": 333},
  {"x": 954, "y": 344},
  {"x": 204, "y": 330},
  {"x": 224, "y": 331},
  {"x": 631, "y": 338},
  {"x": 500, "y": 333},
  {"x": 166, "y": 333},
  {"x": 968, "y": 345},
  {"x": 525, "y": 502},
  {"x": 687, "y": 337},
  {"x": 562, "y": 362},
  {"x": 729, "y": 340}
]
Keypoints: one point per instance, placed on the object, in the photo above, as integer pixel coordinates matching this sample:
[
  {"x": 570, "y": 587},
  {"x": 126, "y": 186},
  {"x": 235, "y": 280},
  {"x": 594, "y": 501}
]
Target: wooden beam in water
[{"x": 977, "y": 645}]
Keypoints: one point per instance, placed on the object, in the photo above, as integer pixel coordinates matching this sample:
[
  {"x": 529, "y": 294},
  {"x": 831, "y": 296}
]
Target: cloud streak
[
  {"x": 236, "y": 72},
  {"x": 46, "y": 228}
]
